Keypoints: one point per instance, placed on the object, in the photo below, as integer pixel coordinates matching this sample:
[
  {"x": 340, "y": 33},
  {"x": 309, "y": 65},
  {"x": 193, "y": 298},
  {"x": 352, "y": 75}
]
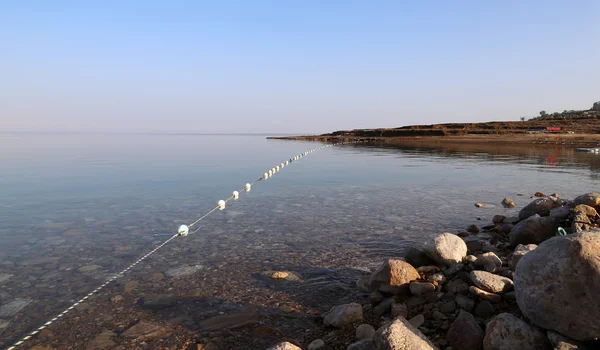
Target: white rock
[{"x": 446, "y": 248}]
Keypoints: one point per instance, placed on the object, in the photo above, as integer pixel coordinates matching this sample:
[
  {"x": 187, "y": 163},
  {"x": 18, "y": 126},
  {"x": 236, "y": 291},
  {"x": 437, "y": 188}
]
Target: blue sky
[{"x": 291, "y": 66}]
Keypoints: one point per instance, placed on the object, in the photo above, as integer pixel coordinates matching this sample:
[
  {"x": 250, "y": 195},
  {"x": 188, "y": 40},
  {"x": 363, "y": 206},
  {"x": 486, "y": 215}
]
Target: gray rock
[
  {"x": 534, "y": 229},
  {"x": 557, "y": 285},
  {"x": 316, "y": 344},
  {"x": 417, "y": 258},
  {"x": 508, "y": 203},
  {"x": 465, "y": 333},
  {"x": 284, "y": 346},
  {"x": 540, "y": 206},
  {"x": 473, "y": 229},
  {"x": 13, "y": 307},
  {"x": 415, "y": 301},
  {"x": 393, "y": 277},
  {"x": 159, "y": 302},
  {"x": 520, "y": 252},
  {"x": 366, "y": 344},
  {"x": 513, "y": 220},
  {"x": 399, "y": 309},
  {"x": 507, "y": 332},
  {"x": 484, "y": 309},
  {"x": 383, "y": 307},
  {"x": 560, "y": 213},
  {"x": 437, "y": 277},
  {"x": 498, "y": 219},
  {"x": 487, "y": 258},
  {"x": 343, "y": 315},
  {"x": 446, "y": 248},
  {"x": 465, "y": 303},
  {"x": 453, "y": 270},
  {"x": 560, "y": 342},
  {"x": 490, "y": 282},
  {"x": 401, "y": 335},
  {"x": 591, "y": 199},
  {"x": 448, "y": 307},
  {"x": 457, "y": 286},
  {"x": 417, "y": 321},
  {"x": 185, "y": 270},
  {"x": 420, "y": 288},
  {"x": 365, "y": 331}
]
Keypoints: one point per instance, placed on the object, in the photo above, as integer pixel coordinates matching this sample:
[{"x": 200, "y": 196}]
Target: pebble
[
  {"x": 465, "y": 303},
  {"x": 473, "y": 229},
  {"x": 489, "y": 257},
  {"x": 494, "y": 298},
  {"x": 365, "y": 331},
  {"x": 420, "y": 288},
  {"x": 383, "y": 307},
  {"x": 484, "y": 309},
  {"x": 399, "y": 309},
  {"x": 417, "y": 321},
  {"x": 457, "y": 286},
  {"x": 448, "y": 307},
  {"x": 316, "y": 344}
]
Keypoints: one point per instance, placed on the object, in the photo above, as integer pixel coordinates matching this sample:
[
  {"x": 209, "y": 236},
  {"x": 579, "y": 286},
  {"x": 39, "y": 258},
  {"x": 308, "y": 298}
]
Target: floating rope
[{"x": 181, "y": 232}]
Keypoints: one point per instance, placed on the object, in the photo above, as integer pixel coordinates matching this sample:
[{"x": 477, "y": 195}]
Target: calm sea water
[{"x": 71, "y": 201}]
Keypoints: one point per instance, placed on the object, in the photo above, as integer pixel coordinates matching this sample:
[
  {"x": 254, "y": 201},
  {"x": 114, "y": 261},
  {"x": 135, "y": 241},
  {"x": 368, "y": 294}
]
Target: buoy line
[{"x": 183, "y": 231}]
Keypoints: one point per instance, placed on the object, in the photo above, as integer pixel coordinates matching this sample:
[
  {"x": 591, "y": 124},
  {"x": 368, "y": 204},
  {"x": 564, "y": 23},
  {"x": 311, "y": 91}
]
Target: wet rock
[
  {"x": 363, "y": 283},
  {"x": 585, "y": 209},
  {"x": 505, "y": 229},
  {"x": 457, "y": 286},
  {"x": 490, "y": 282},
  {"x": 533, "y": 230},
  {"x": 520, "y": 252},
  {"x": 420, "y": 288},
  {"x": 231, "y": 321},
  {"x": 473, "y": 229},
  {"x": 508, "y": 203},
  {"x": 401, "y": 335},
  {"x": 489, "y": 257},
  {"x": 591, "y": 199},
  {"x": 13, "y": 307},
  {"x": 507, "y": 332},
  {"x": 316, "y": 344},
  {"x": 130, "y": 287},
  {"x": 480, "y": 205},
  {"x": 540, "y": 206},
  {"x": 342, "y": 315},
  {"x": 393, "y": 277},
  {"x": 102, "y": 341},
  {"x": 448, "y": 307},
  {"x": 280, "y": 275},
  {"x": 557, "y": 285},
  {"x": 117, "y": 298},
  {"x": 155, "y": 277},
  {"x": 539, "y": 194},
  {"x": 383, "y": 307},
  {"x": 560, "y": 342},
  {"x": 417, "y": 321},
  {"x": 417, "y": 258},
  {"x": 437, "y": 277},
  {"x": 494, "y": 298},
  {"x": 185, "y": 270},
  {"x": 89, "y": 268},
  {"x": 465, "y": 333},
  {"x": 484, "y": 309},
  {"x": 366, "y": 344},
  {"x": 399, "y": 309},
  {"x": 464, "y": 302},
  {"x": 446, "y": 248},
  {"x": 365, "y": 331},
  {"x": 158, "y": 302},
  {"x": 510, "y": 297},
  {"x": 580, "y": 223},
  {"x": 284, "y": 346},
  {"x": 147, "y": 331},
  {"x": 5, "y": 277}
]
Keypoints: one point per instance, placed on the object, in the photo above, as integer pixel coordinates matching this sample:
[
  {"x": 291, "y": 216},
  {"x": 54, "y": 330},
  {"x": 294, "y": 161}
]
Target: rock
[
  {"x": 465, "y": 333},
  {"x": 229, "y": 321},
  {"x": 540, "y": 206},
  {"x": 539, "y": 194},
  {"x": 366, "y": 344},
  {"x": 557, "y": 285},
  {"x": 427, "y": 269},
  {"x": 507, "y": 332},
  {"x": 383, "y": 307},
  {"x": 520, "y": 252},
  {"x": 469, "y": 259},
  {"x": 413, "y": 302},
  {"x": 490, "y": 282},
  {"x": 401, "y": 335},
  {"x": 117, "y": 298},
  {"x": 463, "y": 234},
  {"x": 479, "y": 205},
  {"x": 533, "y": 230},
  {"x": 280, "y": 275},
  {"x": 14, "y": 306},
  {"x": 473, "y": 229},
  {"x": 591, "y": 199},
  {"x": 585, "y": 209},
  {"x": 484, "y": 309},
  {"x": 102, "y": 340},
  {"x": 446, "y": 248},
  {"x": 448, "y": 307},
  {"x": 453, "y": 270},
  {"x": 393, "y": 277},
  {"x": 130, "y": 287},
  {"x": 399, "y": 309},
  {"x": 510, "y": 297},
  {"x": 506, "y": 228},
  {"x": 508, "y": 203},
  {"x": 438, "y": 316},
  {"x": 494, "y": 298},
  {"x": 486, "y": 258},
  {"x": 284, "y": 346},
  {"x": 420, "y": 288},
  {"x": 365, "y": 331},
  {"x": 342, "y": 315},
  {"x": 464, "y": 302},
  {"x": 147, "y": 331},
  {"x": 376, "y": 297},
  {"x": 457, "y": 286},
  {"x": 560, "y": 342},
  {"x": 185, "y": 270},
  {"x": 89, "y": 268},
  {"x": 417, "y": 321},
  {"x": 498, "y": 219},
  {"x": 363, "y": 283},
  {"x": 580, "y": 223},
  {"x": 158, "y": 302},
  {"x": 4, "y": 277},
  {"x": 437, "y": 277},
  {"x": 417, "y": 258},
  {"x": 316, "y": 344}
]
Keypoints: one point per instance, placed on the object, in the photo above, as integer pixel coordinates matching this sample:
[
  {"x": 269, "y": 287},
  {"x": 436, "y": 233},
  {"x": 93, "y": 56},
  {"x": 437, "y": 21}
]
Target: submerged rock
[
  {"x": 507, "y": 332},
  {"x": 401, "y": 335},
  {"x": 181, "y": 271},
  {"x": 146, "y": 331},
  {"x": 508, "y": 203},
  {"x": 557, "y": 285},
  {"x": 14, "y": 306},
  {"x": 446, "y": 248},
  {"x": 393, "y": 276}
]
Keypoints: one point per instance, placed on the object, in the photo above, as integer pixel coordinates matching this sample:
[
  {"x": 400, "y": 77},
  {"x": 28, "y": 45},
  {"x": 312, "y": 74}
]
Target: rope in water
[{"x": 182, "y": 232}]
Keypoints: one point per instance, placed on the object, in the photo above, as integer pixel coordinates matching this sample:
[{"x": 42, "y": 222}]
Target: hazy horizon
[{"x": 277, "y": 68}]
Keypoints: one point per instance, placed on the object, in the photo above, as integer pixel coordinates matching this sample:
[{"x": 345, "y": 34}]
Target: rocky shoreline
[{"x": 524, "y": 282}]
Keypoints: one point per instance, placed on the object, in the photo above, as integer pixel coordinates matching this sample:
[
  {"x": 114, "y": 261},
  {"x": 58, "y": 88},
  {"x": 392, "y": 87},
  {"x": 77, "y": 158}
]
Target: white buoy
[
  {"x": 281, "y": 165},
  {"x": 274, "y": 170},
  {"x": 248, "y": 187},
  {"x": 270, "y": 173},
  {"x": 277, "y": 168},
  {"x": 236, "y": 195},
  {"x": 287, "y": 162},
  {"x": 183, "y": 230},
  {"x": 265, "y": 176},
  {"x": 221, "y": 204}
]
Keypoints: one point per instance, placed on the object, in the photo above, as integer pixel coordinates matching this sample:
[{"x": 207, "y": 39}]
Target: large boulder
[
  {"x": 540, "y": 206},
  {"x": 342, "y": 315},
  {"x": 401, "y": 335},
  {"x": 446, "y": 248},
  {"x": 393, "y": 276},
  {"x": 534, "y": 230},
  {"x": 557, "y": 285},
  {"x": 507, "y": 332},
  {"x": 464, "y": 333},
  {"x": 591, "y": 199}
]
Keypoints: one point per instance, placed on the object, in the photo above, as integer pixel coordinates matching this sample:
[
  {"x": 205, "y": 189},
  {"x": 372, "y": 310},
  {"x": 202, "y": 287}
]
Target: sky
[{"x": 287, "y": 66}]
